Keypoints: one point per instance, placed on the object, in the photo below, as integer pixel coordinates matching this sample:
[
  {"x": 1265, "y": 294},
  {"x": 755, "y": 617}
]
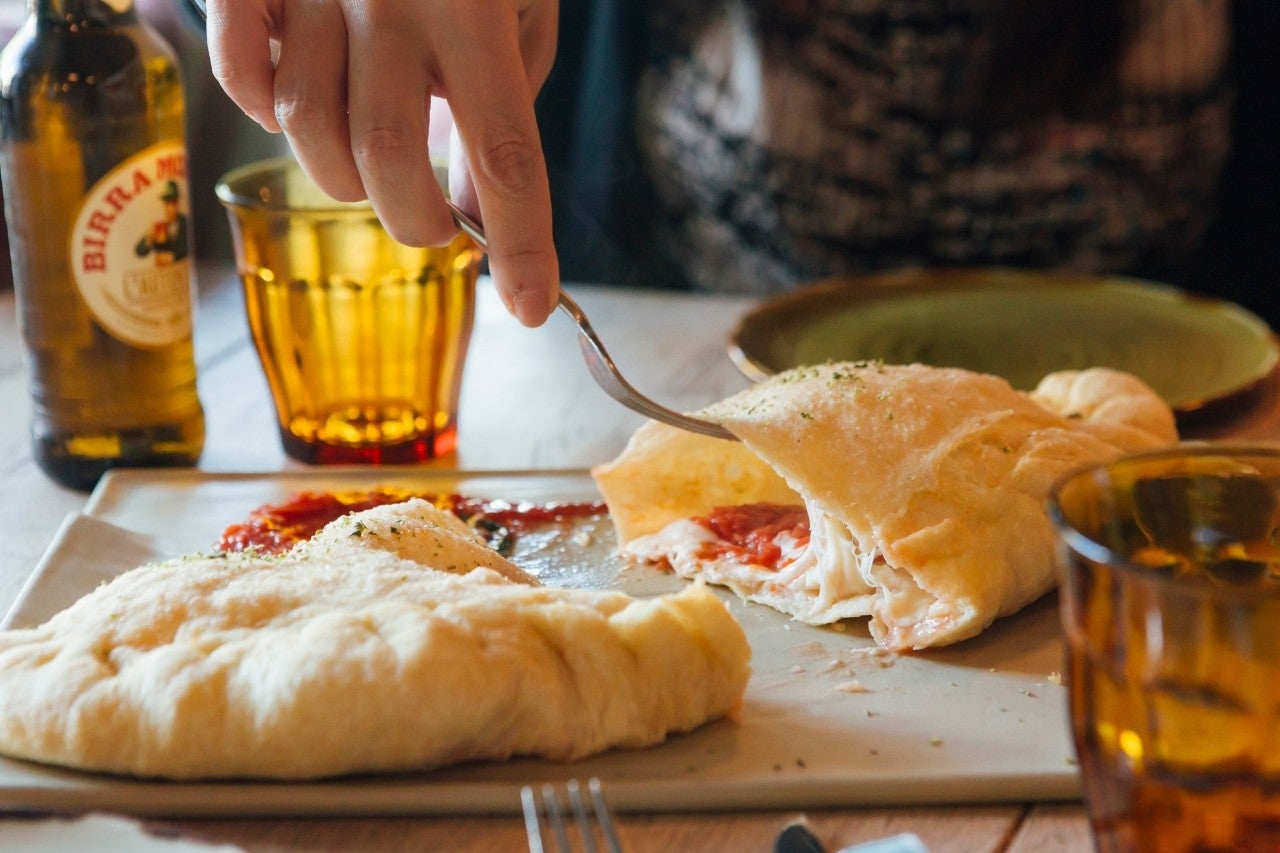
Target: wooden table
[{"x": 527, "y": 402}]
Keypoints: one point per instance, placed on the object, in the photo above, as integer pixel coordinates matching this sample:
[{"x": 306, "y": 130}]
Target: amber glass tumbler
[
  {"x": 1171, "y": 607},
  {"x": 362, "y": 339}
]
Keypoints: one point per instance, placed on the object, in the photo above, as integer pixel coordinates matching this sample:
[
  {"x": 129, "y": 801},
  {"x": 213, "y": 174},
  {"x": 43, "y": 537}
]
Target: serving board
[{"x": 829, "y": 719}]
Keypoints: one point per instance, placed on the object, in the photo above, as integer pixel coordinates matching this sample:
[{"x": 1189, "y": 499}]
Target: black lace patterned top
[{"x": 790, "y": 140}]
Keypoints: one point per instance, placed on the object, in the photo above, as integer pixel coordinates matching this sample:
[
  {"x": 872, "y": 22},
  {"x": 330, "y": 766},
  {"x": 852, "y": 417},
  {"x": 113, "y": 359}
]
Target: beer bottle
[{"x": 93, "y": 161}]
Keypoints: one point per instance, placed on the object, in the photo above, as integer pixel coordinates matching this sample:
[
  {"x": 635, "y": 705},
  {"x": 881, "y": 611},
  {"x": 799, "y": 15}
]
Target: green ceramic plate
[{"x": 1194, "y": 351}]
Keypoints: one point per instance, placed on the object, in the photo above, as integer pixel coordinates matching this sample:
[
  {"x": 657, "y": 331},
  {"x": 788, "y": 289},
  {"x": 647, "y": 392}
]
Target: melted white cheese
[
  {"x": 833, "y": 567},
  {"x": 845, "y": 568},
  {"x": 679, "y": 544},
  {"x": 832, "y": 576}
]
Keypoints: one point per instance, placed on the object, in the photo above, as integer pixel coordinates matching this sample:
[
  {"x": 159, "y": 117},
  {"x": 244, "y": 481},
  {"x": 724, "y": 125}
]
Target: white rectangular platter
[{"x": 828, "y": 720}]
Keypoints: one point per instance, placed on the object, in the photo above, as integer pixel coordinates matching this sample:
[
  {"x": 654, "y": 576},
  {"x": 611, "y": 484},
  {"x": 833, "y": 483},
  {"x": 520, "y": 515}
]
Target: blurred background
[
  {"x": 1239, "y": 258},
  {"x": 583, "y": 125}
]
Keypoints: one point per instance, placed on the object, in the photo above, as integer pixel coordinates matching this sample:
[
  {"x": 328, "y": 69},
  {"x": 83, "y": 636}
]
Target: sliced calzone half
[
  {"x": 910, "y": 494},
  {"x": 394, "y": 641}
]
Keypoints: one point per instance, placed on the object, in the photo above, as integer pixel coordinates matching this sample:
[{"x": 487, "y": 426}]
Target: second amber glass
[
  {"x": 1171, "y": 609},
  {"x": 362, "y": 339}
]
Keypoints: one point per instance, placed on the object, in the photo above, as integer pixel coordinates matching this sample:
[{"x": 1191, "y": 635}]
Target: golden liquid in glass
[
  {"x": 1174, "y": 668},
  {"x": 362, "y": 340},
  {"x": 77, "y": 101}
]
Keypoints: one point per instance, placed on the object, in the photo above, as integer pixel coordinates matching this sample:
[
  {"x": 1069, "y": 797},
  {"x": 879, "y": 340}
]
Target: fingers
[
  {"x": 239, "y": 33},
  {"x": 351, "y": 92},
  {"x": 496, "y": 124},
  {"x": 388, "y": 126},
  {"x": 311, "y": 96}
]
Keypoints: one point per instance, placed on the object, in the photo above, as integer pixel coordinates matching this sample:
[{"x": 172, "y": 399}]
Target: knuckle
[
  {"x": 525, "y": 256},
  {"x": 381, "y": 141},
  {"x": 511, "y": 162},
  {"x": 298, "y": 117}
]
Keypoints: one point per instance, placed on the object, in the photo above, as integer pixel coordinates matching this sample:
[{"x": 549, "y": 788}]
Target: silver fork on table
[
  {"x": 599, "y": 364},
  {"x": 594, "y": 824}
]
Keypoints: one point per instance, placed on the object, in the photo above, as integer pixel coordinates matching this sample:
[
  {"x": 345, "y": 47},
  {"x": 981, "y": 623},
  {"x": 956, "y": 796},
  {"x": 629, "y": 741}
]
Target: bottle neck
[{"x": 76, "y": 14}]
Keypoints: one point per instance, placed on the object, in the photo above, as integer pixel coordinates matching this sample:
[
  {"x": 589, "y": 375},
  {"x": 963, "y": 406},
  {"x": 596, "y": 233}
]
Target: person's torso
[{"x": 793, "y": 140}]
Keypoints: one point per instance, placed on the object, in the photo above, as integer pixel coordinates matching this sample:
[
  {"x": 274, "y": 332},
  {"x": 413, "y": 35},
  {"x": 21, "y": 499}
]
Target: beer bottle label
[{"x": 130, "y": 249}]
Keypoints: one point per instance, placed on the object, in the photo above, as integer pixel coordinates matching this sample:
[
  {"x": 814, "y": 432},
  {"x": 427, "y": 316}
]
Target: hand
[{"x": 352, "y": 87}]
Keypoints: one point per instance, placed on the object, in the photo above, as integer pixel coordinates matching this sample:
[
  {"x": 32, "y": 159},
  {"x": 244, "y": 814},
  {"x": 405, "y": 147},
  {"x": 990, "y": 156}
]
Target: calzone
[
  {"x": 909, "y": 494},
  {"x": 394, "y": 641}
]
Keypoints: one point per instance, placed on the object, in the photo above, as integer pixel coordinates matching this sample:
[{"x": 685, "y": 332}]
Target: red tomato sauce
[
  {"x": 275, "y": 528},
  {"x": 749, "y": 533}
]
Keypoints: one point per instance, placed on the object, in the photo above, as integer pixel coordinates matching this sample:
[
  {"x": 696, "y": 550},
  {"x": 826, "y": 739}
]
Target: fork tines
[{"x": 593, "y": 825}]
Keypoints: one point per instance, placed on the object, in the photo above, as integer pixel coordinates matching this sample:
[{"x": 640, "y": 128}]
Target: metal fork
[
  {"x": 554, "y": 811},
  {"x": 599, "y": 364}
]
